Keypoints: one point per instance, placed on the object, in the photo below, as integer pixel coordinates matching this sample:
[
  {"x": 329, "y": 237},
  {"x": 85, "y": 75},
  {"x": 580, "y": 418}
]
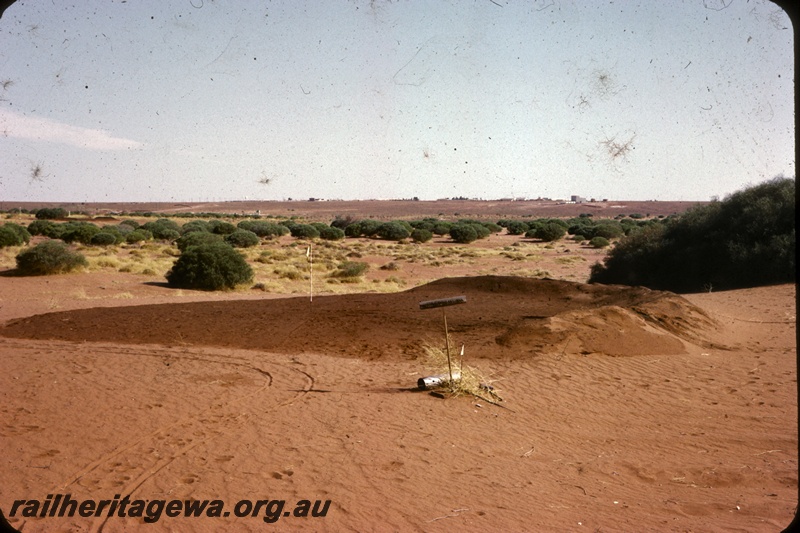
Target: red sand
[{"x": 624, "y": 409}]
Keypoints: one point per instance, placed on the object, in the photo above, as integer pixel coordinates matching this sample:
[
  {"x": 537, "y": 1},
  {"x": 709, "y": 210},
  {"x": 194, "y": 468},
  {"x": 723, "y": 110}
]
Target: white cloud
[{"x": 42, "y": 129}]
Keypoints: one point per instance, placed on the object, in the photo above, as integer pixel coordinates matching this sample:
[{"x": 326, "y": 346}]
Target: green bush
[
  {"x": 442, "y": 228},
  {"x": 421, "y": 235},
  {"x": 170, "y": 235},
  {"x": 196, "y": 225},
  {"x": 242, "y": 238},
  {"x": 426, "y": 224},
  {"x": 12, "y": 234},
  {"x": 133, "y": 224},
  {"x": 746, "y": 240},
  {"x": 353, "y": 230},
  {"x": 516, "y": 227},
  {"x": 138, "y": 235},
  {"x": 350, "y": 269},
  {"x": 264, "y": 229},
  {"x": 331, "y": 233},
  {"x": 342, "y": 222},
  {"x": 51, "y": 213},
  {"x": 463, "y": 233},
  {"x": 547, "y": 232},
  {"x": 196, "y": 238},
  {"x": 163, "y": 229},
  {"x": 481, "y": 230},
  {"x": 104, "y": 238},
  {"x": 599, "y": 242},
  {"x": 221, "y": 227},
  {"x": 393, "y": 231},
  {"x": 40, "y": 227},
  {"x": 608, "y": 230},
  {"x": 49, "y": 257},
  {"x": 81, "y": 232},
  {"x": 304, "y": 231},
  {"x": 369, "y": 227},
  {"x": 211, "y": 267}
]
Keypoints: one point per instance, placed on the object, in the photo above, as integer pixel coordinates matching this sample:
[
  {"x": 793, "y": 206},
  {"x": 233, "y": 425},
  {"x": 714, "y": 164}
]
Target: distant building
[{"x": 577, "y": 199}]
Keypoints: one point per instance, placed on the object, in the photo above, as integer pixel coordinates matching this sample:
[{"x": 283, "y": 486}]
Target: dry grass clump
[
  {"x": 8, "y": 256},
  {"x": 471, "y": 381},
  {"x": 530, "y": 273}
]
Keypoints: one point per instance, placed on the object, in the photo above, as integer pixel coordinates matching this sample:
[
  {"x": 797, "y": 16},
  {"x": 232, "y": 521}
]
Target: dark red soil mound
[{"x": 504, "y": 317}]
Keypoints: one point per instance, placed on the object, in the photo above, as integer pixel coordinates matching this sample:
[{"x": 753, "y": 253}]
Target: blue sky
[{"x": 202, "y": 100}]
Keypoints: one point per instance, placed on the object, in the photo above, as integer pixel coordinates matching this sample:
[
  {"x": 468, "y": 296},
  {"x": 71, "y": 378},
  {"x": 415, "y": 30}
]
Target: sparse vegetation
[
  {"x": 744, "y": 241},
  {"x": 51, "y": 213},
  {"x": 242, "y": 238},
  {"x": 350, "y": 270},
  {"x": 49, "y": 257},
  {"x": 12, "y": 234},
  {"x": 212, "y": 266}
]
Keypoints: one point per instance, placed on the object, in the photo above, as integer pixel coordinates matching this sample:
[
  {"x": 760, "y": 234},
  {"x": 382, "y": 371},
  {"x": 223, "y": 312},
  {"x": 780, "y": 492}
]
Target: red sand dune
[
  {"x": 504, "y": 318},
  {"x": 693, "y": 430}
]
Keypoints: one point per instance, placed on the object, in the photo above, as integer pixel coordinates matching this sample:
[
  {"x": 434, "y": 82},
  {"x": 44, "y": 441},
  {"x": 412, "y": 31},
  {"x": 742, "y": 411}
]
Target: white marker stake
[{"x": 311, "y": 272}]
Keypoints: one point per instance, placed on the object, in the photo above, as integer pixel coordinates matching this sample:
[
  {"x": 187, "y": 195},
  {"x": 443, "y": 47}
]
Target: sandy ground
[{"x": 623, "y": 409}]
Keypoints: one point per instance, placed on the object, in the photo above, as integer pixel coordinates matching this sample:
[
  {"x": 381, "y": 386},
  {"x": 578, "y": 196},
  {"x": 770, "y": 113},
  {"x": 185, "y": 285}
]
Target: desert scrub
[
  {"x": 421, "y": 235},
  {"x": 242, "y": 238},
  {"x": 599, "y": 242},
  {"x": 104, "y": 238},
  {"x": 569, "y": 260},
  {"x": 49, "y": 257},
  {"x": 212, "y": 267},
  {"x": 289, "y": 273},
  {"x": 103, "y": 262},
  {"x": 51, "y": 213},
  {"x": 195, "y": 238},
  {"x": 12, "y": 234},
  {"x": 547, "y": 232},
  {"x": 350, "y": 270}
]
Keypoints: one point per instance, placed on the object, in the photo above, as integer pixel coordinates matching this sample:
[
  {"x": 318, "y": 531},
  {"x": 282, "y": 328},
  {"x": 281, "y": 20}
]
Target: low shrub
[
  {"x": 163, "y": 229},
  {"x": 40, "y": 227},
  {"x": 516, "y": 227},
  {"x": 49, "y": 257},
  {"x": 746, "y": 240},
  {"x": 463, "y": 233},
  {"x": 138, "y": 235},
  {"x": 195, "y": 225},
  {"x": 12, "y": 234},
  {"x": 242, "y": 238},
  {"x": 264, "y": 229},
  {"x": 350, "y": 269},
  {"x": 212, "y": 267},
  {"x": 547, "y": 232},
  {"x": 599, "y": 242},
  {"x": 81, "y": 232},
  {"x": 51, "y": 213},
  {"x": 393, "y": 231},
  {"x": 369, "y": 227},
  {"x": 342, "y": 222},
  {"x": 421, "y": 235},
  {"x": 130, "y": 223},
  {"x": 104, "y": 238},
  {"x": 330, "y": 233},
  {"x": 196, "y": 238},
  {"x": 304, "y": 231},
  {"x": 442, "y": 228},
  {"x": 220, "y": 227}
]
